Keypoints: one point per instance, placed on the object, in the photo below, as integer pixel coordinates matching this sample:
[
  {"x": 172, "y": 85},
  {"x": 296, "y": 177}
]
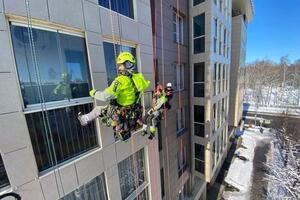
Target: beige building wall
[
  {"x": 215, "y": 138},
  {"x": 236, "y": 92}
]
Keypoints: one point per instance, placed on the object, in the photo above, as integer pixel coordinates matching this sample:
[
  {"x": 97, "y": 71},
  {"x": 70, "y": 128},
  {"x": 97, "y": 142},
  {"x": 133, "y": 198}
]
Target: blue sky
[{"x": 274, "y": 30}]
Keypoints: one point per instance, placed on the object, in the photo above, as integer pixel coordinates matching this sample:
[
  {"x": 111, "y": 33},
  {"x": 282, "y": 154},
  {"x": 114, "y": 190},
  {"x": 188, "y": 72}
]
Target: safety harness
[{"x": 123, "y": 119}]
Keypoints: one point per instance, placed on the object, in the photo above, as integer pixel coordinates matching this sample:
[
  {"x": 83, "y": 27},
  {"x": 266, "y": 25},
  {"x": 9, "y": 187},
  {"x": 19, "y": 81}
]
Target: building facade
[
  {"x": 54, "y": 51},
  {"x": 241, "y": 16}
]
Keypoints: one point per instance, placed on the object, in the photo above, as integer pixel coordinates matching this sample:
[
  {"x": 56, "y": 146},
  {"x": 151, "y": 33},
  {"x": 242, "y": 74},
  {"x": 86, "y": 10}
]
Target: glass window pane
[
  {"x": 110, "y": 59},
  {"x": 196, "y": 2},
  {"x": 62, "y": 67},
  {"x": 74, "y": 56},
  {"x": 199, "y": 166},
  {"x": 198, "y": 89},
  {"x": 199, "y": 130},
  {"x": 131, "y": 173},
  {"x": 3, "y": 176},
  {"x": 124, "y": 7},
  {"x": 199, "y": 152},
  {"x": 199, "y": 114},
  {"x": 93, "y": 190},
  {"x": 199, "y": 69},
  {"x": 162, "y": 181},
  {"x": 199, "y": 25},
  {"x": 199, "y": 45},
  {"x": 69, "y": 137}
]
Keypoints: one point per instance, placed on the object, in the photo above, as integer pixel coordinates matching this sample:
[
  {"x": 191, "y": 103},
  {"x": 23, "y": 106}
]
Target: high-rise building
[{"x": 53, "y": 51}]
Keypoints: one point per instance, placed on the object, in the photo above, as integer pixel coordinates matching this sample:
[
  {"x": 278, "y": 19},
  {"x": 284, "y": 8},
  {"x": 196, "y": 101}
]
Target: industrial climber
[
  {"x": 124, "y": 112},
  {"x": 160, "y": 103}
]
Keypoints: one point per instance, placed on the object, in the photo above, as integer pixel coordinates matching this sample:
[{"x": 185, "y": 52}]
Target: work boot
[
  {"x": 83, "y": 119},
  {"x": 145, "y": 129}
]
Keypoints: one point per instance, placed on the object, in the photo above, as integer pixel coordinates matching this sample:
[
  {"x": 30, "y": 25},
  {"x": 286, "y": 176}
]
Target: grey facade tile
[
  {"x": 20, "y": 166},
  {"x": 13, "y": 137},
  {"x": 107, "y": 136},
  {"x": 49, "y": 186},
  {"x": 109, "y": 156},
  {"x": 147, "y": 63},
  {"x": 1, "y": 6},
  {"x": 128, "y": 29},
  {"x": 92, "y": 16},
  {"x": 38, "y": 8},
  {"x": 143, "y": 13},
  {"x": 31, "y": 191},
  {"x": 11, "y": 102},
  {"x": 66, "y": 12},
  {"x": 89, "y": 167},
  {"x": 100, "y": 81},
  {"x": 108, "y": 19},
  {"x": 145, "y": 34},
  {"x": 93, "y": 38},
  {"x": 68, "y": 177},
  {"x": 6, "y": 54},
  {"x": 3, "y": 23},
  {"x": 96, "y": 55}
]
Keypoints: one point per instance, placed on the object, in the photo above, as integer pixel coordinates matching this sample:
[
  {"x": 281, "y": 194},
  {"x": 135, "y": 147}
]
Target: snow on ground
[
  {"x": 273, "y": 110},
  {"x": 239, "y": 176}
]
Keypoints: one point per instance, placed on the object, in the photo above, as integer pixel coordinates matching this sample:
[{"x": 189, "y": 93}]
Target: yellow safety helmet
[{"x": 125, "y": 56}]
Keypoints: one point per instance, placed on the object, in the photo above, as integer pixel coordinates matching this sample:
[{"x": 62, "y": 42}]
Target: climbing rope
[{"x": 44, "y": 113}]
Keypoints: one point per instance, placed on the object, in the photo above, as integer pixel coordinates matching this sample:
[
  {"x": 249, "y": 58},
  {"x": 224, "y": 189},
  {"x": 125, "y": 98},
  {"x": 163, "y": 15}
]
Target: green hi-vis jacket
[{"x": 124, "y": 88}]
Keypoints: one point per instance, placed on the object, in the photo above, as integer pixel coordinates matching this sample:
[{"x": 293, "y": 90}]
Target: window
[
  {"x": 160, "y": 146},
  {"x": 199, "y": 158},
  {"x": 214, "y": 124},
  {"x": 215, "y": 69},
  {"x": 214, "y": 155},
  {"x": 63, "y": 137},
  {"x": 181, "y": 160},
  {"x": 162, "y": 182},
  {"x": 216, "y": 34},
  {"x": 199, "y": 125},
  {"x": 63, "y": 71},
  {"x": 61, "y": 80},
  {"x": 110, "y": 59},
  {"x": 3, "y": 176},
  {"x": 132, "y": 173},
  {"x": 179, "y": 78},
  {"x": 199, "y": 129},
  {"x": 199, "y": 79},
  {"x": 225, "y": 42},
  {"x": 124, "y": 7},
  {"x": 177, "y": 28},
  {"x": 199, "y": 114},
  {"x": 180, "y": 120},
  {"x": 221, "y": 5},
  {"x": 219, "y": 78},
  {"x": 95, "y": 189},
  {"x": 199, "y": 34},
  {"x": 143, "y": 195},
  {"x": 220, "y": 39},
  {"x": 196, "y": 2}
]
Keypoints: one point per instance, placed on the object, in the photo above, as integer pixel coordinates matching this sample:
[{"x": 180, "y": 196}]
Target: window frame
[
  {"x": 198, "y": 37},
  {"x": 199, "y": 82},
  {"x": 178, "y": 36},
  {"x": 179, "y": 72},
  {"x": 111, "y": 10},
  {"x": 31, "y": 108},
  {"x": 74, "y": 102},
  {"x": 180, "y": 130},
  {"x": 6, "y": 184}
]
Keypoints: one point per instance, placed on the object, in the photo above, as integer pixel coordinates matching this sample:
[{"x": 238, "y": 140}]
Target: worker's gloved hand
[{"x": 92, "y": 92}]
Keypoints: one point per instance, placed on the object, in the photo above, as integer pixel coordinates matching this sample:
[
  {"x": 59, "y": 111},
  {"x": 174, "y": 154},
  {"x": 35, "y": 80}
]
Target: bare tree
[{"x": 283, "y": 170}]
